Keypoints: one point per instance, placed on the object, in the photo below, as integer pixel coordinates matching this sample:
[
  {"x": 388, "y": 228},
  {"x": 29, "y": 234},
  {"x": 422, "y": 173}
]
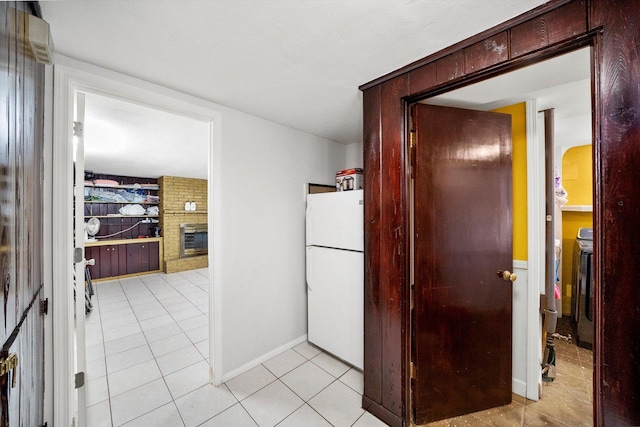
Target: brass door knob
[{"x": 507, "y": 275}]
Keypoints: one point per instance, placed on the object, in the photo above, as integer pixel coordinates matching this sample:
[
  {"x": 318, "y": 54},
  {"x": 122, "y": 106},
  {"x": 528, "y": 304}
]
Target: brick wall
[{"x": 174, "y": 192}]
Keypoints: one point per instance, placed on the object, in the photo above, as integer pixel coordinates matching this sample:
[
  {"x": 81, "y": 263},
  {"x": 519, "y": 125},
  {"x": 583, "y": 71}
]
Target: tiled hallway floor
[{"x": 147, "y": 350}]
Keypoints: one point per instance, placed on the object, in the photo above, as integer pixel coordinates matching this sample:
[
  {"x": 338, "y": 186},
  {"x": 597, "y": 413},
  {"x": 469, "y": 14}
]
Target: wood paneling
[
  {"x": 450, "y": 67},
  {"x": 21, "y": 239},
  {"x": 393, "y": 252},
  {"x": 372, "y": 189},
  {"x": 385, "y": 245},
  {"x": 536, "y": 35},
  {"x": 617, "y": 209},
  {"x": 552, "y": 27},
  {"x": 486, "y": 53},
  {"x": 423, "y": 77}
]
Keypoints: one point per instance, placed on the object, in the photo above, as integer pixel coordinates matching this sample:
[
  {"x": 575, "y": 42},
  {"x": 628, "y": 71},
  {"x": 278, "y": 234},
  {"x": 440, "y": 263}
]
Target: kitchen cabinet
[{"x": 124, "y": 257}]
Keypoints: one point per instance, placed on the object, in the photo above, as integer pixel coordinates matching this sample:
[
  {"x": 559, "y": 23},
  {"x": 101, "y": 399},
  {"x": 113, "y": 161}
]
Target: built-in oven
[{"x": 193, "y": 240}]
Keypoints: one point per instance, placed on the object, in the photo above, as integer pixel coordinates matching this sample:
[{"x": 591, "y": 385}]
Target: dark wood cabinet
[
  {"x": 139, "y": 257},
  {"x": 115, "y": 258}
]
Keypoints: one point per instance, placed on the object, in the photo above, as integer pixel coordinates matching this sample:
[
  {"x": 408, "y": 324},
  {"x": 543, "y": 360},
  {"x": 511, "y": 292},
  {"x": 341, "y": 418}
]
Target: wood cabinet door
[
  {"x": 109, "y": 263},
  {"x": 133, "y": 257},
  {"x": 144, "y": 257},
  {"x": 154, "y": 256},
  {"x": 122, "y": 260}
]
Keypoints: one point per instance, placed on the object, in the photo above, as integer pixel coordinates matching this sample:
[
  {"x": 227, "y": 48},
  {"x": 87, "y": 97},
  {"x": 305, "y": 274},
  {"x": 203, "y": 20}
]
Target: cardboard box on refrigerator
[{"x": 349, "y": 179}]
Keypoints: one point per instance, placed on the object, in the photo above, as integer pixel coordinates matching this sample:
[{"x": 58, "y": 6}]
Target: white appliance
[{"x": 335, "y": 274}]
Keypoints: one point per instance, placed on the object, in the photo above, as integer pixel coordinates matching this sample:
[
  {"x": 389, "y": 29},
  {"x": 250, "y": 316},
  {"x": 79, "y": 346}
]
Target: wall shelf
[
  {"x": 184, "y": 212},
  {"x": 123, "y": 203},
  {"x": 124, "y": 216},
  {"x": 125, "y": 186},
  {"x": 107, "y": 242}
]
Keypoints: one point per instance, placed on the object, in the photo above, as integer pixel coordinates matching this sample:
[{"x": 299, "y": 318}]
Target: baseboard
[
  {"x": 255, "y": 362},
  {"x": 381, "y": 412},
  {"x": 519, "y": 387}
]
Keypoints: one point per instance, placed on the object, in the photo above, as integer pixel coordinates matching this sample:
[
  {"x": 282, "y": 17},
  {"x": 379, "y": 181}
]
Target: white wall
[
  {"x": 354, "y": 157},
  {"x": 264, "y": 171}
]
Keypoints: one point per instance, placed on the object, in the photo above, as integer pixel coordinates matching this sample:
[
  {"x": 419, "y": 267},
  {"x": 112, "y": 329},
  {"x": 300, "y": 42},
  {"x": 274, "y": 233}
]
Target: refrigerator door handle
[{"x": 308, "y": 269}]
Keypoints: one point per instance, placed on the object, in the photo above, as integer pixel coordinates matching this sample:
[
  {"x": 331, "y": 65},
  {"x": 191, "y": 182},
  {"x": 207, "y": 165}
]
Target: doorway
[
  {"x": 141, "y": 318},
  {"x": 540, "y": 86},
  {"x": 68, "y": 82}
]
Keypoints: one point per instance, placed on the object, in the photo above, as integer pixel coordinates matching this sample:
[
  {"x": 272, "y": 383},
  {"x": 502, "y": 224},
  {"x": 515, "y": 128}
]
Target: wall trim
[
  {"x": 62, "y": 260},
  {"x": 522, "y": 265},
  {"x": 255, "y": 362},
  {"x": 71, "y": 76},
  {"x": 535, "y": 248},
  {"x": 47, "y": 237}
]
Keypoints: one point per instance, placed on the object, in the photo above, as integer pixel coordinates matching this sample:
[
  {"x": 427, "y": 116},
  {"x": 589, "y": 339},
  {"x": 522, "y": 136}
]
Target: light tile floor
[{"x": 147, "y": 351}]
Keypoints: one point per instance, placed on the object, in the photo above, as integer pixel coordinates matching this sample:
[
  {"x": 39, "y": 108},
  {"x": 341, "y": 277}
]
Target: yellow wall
[
  {"x": 577, "y": 179},
  {"x": 519, "y": 160}
]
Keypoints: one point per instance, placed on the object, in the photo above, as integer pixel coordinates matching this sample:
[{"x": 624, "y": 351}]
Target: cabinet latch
[{"x": 7, "y": 364}]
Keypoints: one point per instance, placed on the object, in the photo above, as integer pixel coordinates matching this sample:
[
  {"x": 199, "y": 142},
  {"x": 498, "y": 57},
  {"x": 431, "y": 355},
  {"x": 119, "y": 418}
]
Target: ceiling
[
  {"x": 124, "y": 138},
  {"x": 298, "y": 63}
]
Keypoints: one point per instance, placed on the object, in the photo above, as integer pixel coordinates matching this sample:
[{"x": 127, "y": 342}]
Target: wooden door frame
[{"x": 550, "y": 30}]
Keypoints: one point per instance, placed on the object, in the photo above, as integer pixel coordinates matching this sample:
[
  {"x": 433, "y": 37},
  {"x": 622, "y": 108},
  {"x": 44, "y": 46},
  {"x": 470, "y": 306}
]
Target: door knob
[{"x": 507, "y": 275}]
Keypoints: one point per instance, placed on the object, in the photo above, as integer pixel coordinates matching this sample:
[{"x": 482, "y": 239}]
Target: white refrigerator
[{"x": 335, "y": 273}]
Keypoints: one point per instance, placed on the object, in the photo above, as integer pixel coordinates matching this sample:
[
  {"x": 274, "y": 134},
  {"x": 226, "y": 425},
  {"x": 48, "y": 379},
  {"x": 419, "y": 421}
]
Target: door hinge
[
  {"x": 412, "y": 296},
  {"x": 77, "y": 129},
  {"x": 412, "y": 153},
  {"x": 77, "y": 255},
  {"x": 44, "y": 306},
  {"x": 79, "y": 379},
  {"x": 413, "y": 372}
]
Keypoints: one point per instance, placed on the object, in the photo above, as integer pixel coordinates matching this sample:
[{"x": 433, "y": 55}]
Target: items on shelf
[
  {"x": 134, "y": 210},
  {"x": 120, "y": 195}
]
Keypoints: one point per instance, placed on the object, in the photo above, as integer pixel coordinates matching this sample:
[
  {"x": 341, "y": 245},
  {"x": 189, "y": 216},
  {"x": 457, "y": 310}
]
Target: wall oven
[{"x": 193, "y": 240}]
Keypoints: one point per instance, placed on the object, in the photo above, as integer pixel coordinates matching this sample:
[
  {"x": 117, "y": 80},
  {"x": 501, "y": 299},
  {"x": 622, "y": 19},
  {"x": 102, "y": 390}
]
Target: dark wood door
[
  {"x": 463, "y": 236},
  {"x": 21, "y": 224}
]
